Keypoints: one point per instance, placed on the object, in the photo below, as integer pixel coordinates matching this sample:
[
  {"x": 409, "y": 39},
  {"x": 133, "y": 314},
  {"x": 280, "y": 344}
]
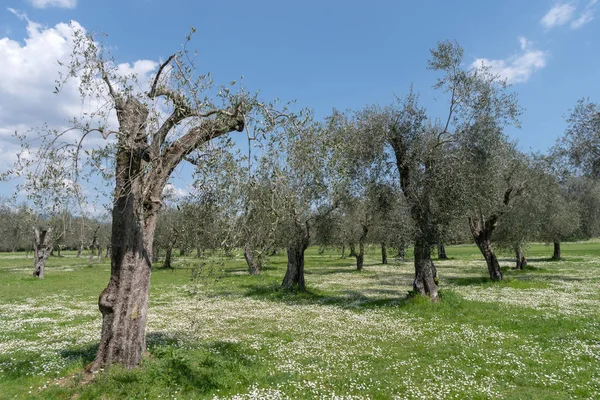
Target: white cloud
[
  {"x": 27, "y": 84},
  {"x": 54, "y": 3},
  {"x": 558, "y": 15},
  {"x": 517, "y": 68},
  {"x": 586, "y": 16},
  {"x": 565, "y": 13}
]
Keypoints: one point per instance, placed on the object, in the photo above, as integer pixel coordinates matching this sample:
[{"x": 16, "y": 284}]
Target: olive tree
[{"x": 156, "y": 125}]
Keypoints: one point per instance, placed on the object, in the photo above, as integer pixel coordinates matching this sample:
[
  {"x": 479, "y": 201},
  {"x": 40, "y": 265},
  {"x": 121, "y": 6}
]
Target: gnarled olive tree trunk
[
  {"x": 425, "y": 271},
  {"x": 294, "y": 275},
  {"x": 482, "y": 230},
  {"x": 142, "y": 171},
  {"x": 41, "y": 250}
]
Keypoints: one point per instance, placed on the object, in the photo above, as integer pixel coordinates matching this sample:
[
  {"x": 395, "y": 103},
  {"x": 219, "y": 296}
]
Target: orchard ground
[{"x": 215, "y": 332}]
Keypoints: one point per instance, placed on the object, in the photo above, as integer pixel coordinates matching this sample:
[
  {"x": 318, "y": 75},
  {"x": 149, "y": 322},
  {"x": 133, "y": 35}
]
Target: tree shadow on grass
[
  {"x": 343, "y": 299},
  {"x": 469, "y": 281},
  {"x": 85, "y": 353}
]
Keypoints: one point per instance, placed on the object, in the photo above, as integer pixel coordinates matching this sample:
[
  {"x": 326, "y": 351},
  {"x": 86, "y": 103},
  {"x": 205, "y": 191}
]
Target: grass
[{"x": 215, "y": 332}]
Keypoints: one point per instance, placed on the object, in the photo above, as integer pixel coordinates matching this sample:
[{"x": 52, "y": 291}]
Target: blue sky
[{"x": 325, "y": 54}]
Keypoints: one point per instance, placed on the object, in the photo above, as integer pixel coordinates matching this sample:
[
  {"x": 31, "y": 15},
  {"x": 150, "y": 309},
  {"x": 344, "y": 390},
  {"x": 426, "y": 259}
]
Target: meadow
[{"x": 214, "y": 332}]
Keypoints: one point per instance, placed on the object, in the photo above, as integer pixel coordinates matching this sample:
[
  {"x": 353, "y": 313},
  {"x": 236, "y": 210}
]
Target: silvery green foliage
[
  {"x": 581, "y": 142},
  {"x": 55, "y": 163}
]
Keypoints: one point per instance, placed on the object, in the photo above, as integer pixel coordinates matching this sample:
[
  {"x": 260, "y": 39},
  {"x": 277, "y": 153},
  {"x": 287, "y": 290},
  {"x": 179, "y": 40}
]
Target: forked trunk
[
  {"x": 253, "y": 261},
  {"x": 41, "y": 251},
  {"x": 520, "y": 258},
  {"x": 441, "y": 251},
  {"x": 383, "y": 253},
  {"x": 556, "y": 254},
  {"x": 482, "y": 233},
  {"x": 425, "y": 271}
]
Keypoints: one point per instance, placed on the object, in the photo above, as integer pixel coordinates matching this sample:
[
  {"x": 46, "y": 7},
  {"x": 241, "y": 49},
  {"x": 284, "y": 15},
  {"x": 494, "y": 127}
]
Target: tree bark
[
  {"x": 482, "y": 233},
  {"x": 343, "y": 251},
  {"x": 108, "y": 250},
  {"x": 384, "y": 259},
  {"x": 294, "y": 275},
  {"x": 42, "y": 249},
  {"x": 425, "y": 271},
  {"x": 441, "y": 251},
  {"x": 521, "y": 260},
  {"x": 556, "y": 254},
  {"x": 79, "y": 250},
  {"x": 254, "y": 264}
]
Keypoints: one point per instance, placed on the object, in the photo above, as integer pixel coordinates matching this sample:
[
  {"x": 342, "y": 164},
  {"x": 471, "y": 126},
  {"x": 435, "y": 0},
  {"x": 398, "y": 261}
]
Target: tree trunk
[
  {"x": 124, "y": 302},
  {"x": 383, "y": 253},
  {"x": 254, "y": 264},
  {"x": 343, "y": 251},
  {"x": 425, "y": 271},
  {"x": 294, "y": 275},
  {"x": 168, "y": 256},
  {"x": 59, "y": 251},
  {"x": 352, "y": 250},
  {"x": 442, "y": 251},
  {"x": 198, "y": 252},
  {"x": 99, "y": 254},
  {"x": 108, "y": 248},
  {"x": 360, "y": 257},
  {"x": 482, "y": 233},
  {"x": 182, "y": 252},
  {"x": 485, "y": 246},
  {"x": 556, "y": 255},
  {"x": 79, "y": 250},
  {"x": 521, "y": 260},
  {"x": 42, "y": 249}
]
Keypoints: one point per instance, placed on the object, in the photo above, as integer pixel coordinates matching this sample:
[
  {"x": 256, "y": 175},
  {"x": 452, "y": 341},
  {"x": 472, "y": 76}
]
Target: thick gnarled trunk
[
  {"x": 294, "y": 275},
  {"x": 41, "y": 251},
  {"x": 425, "y": 271},
  {"x": 556, "y": 253},
  {"x": 124, "y": 302}
]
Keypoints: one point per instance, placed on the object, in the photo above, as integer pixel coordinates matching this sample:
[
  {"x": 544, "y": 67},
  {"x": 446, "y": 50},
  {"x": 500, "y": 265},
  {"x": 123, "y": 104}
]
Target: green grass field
[{"x": 215, "y": 332}]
